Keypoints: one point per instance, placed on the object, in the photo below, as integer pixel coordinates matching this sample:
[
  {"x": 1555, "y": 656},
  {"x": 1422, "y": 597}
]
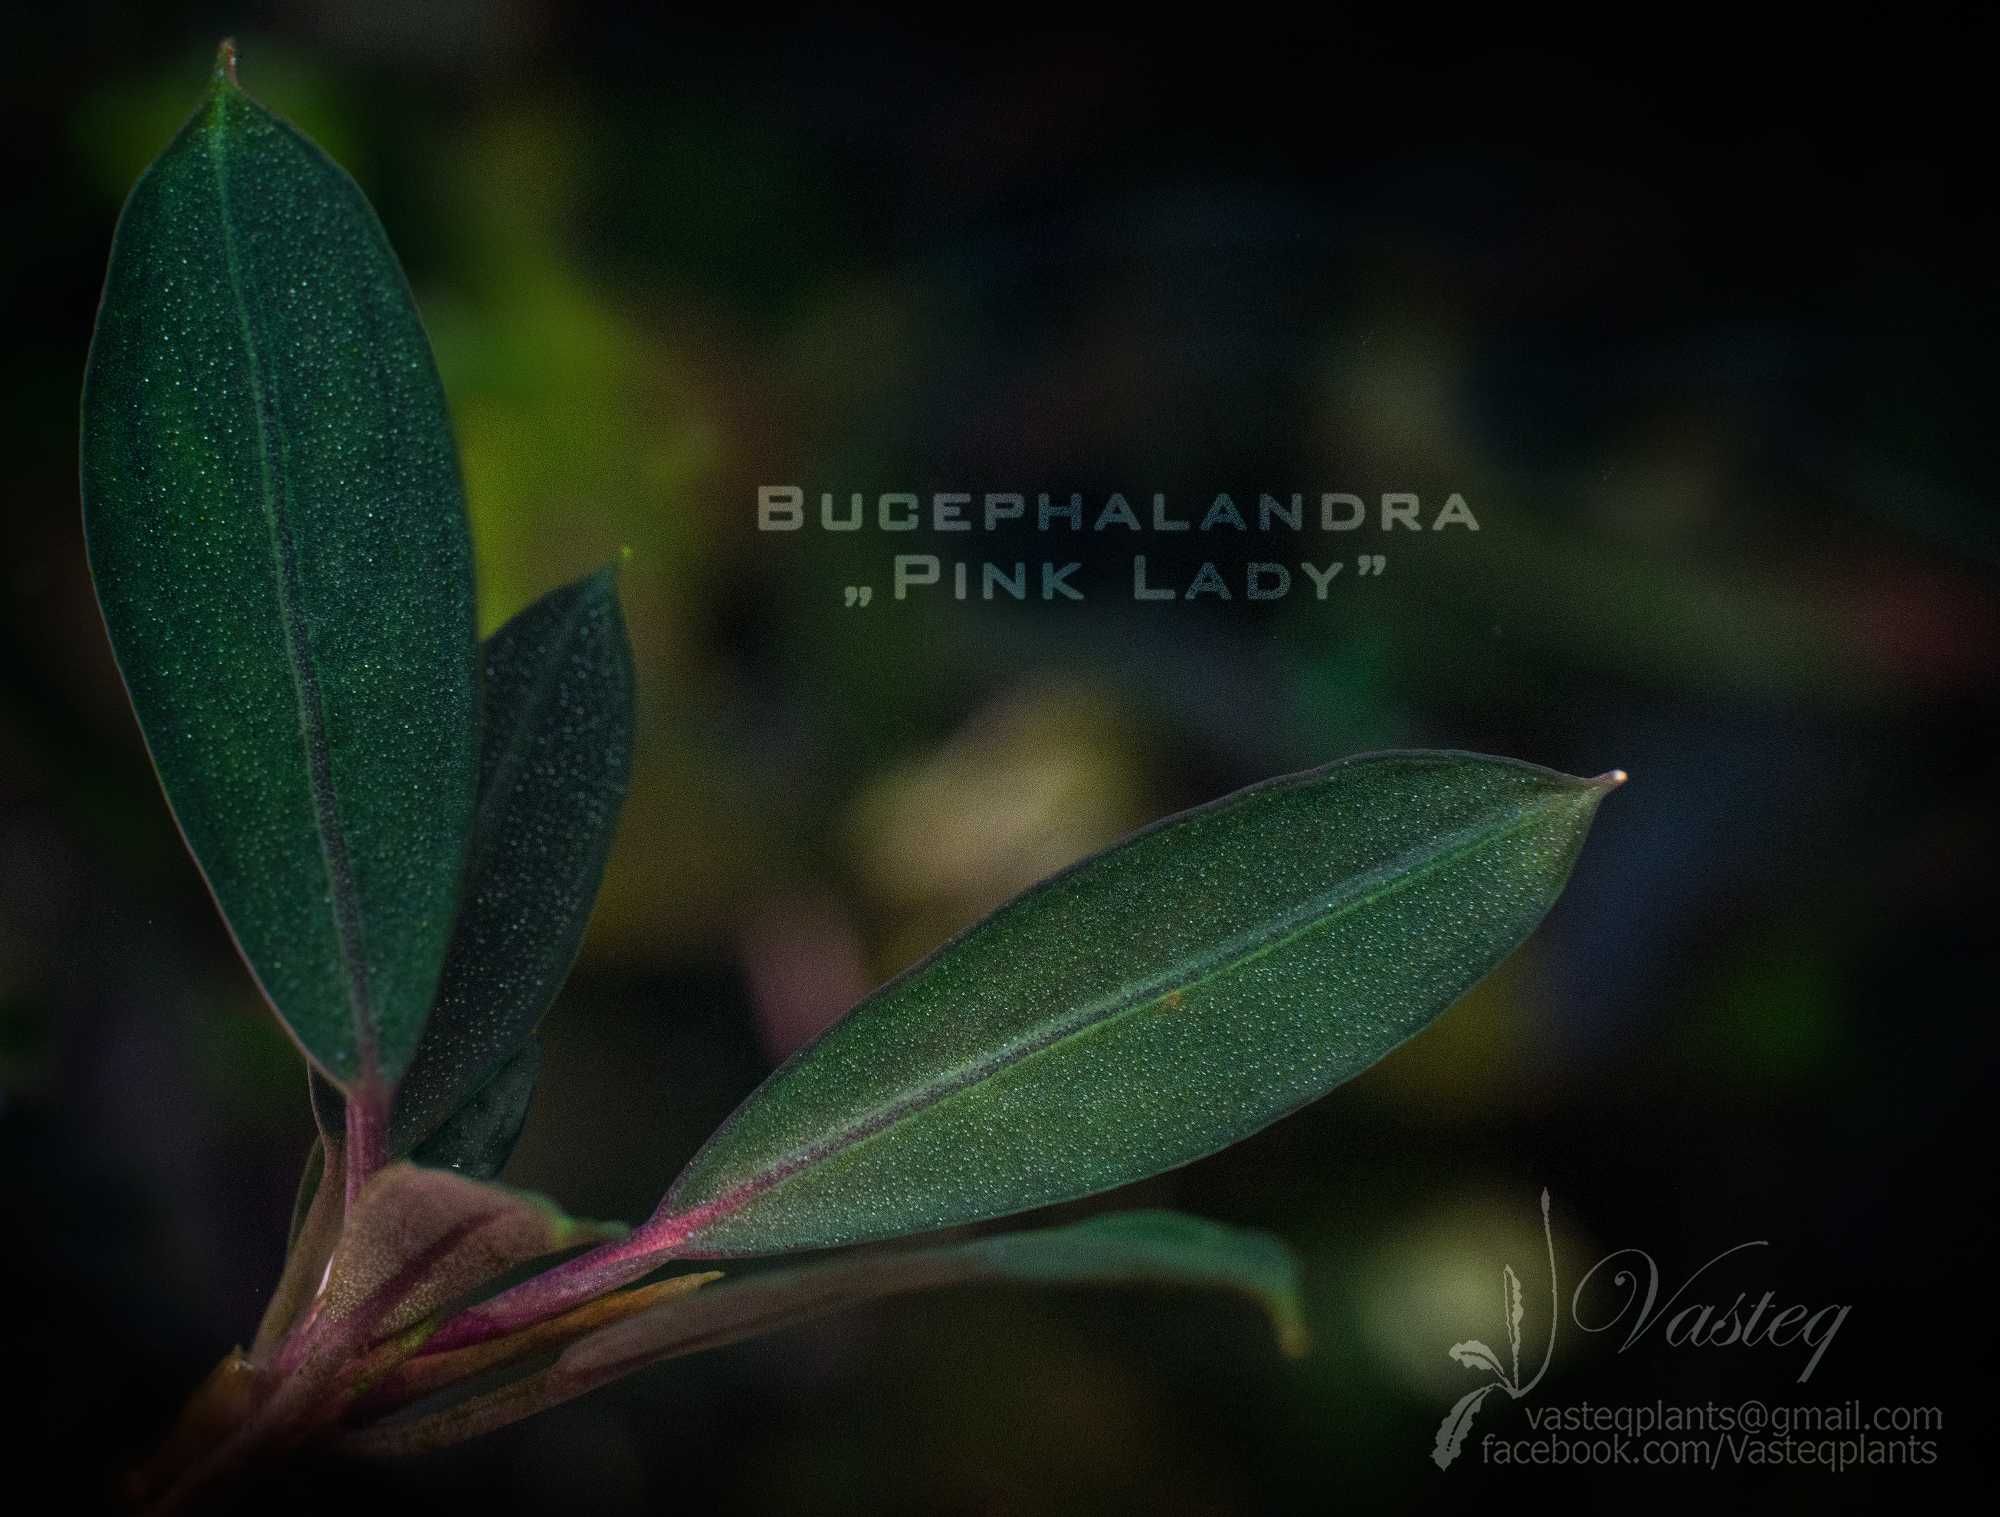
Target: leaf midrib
[
  {"x": 275, "y": 494},
  {"x": 1200, "y": 969}
]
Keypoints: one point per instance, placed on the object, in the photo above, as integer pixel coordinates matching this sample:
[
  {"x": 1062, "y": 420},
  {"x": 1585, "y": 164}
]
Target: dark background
[{"x": 1699, "y": 318}]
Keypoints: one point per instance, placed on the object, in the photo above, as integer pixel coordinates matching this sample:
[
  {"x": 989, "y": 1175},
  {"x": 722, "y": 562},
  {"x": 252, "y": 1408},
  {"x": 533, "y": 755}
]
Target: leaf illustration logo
[{"x": 1475, "y": 1355}]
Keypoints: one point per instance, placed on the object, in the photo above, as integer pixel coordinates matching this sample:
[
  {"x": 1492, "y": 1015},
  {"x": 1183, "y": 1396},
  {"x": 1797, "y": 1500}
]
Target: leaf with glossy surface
[
  {"x": 554, "y": 763},
  {"x": 1158, "y": 1249},
  {"x": 278, "y": 538},
  {"x": 1146, "y": 1007}
]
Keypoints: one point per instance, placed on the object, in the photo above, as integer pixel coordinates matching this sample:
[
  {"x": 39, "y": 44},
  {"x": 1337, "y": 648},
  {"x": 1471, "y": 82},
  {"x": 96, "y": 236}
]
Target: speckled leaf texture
[
  {"x": 413, "y": 1242},
  {"x": 277, "y": 532},
  {"x": 479, "y": 1137},
  {"x": 554, "y": 764},
  {"x": 1149, "y": 1006},
  {"x": 418, "y": 1239}
]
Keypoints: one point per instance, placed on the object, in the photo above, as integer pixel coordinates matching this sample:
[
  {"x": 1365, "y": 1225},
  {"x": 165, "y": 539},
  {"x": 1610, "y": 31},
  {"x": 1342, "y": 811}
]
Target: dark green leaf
[
  {"x": 554, "y": 762},
  {"x": 1125, "y": 1249},
  {"x": 477, "y": 1139},
  {"x": 276, "y": 530},
  {"x": 1147, "y": 1007}
]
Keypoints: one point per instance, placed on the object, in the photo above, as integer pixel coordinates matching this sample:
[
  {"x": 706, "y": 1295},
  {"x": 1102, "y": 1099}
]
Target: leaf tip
[
  {"x": 605, "y": 580},
  {"x": 225, "y": 63},
  {"x": 1611, "y": 779}
]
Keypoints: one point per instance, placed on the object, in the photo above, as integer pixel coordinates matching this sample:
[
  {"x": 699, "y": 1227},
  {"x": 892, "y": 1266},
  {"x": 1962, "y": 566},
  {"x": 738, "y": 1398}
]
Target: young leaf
[
  {"x": 427, "y": 1373},
  {"x": 278, "y": 538},
  {"x": 474, "y": 1143},
  {"x": 414, "y": 1241},
  {"x": 553, "y": 767},
  {"x": 1144, "y": 1008},
  {"x": 317, "y": 1213},
  {"x": 1124, "y": 1249},
  {"x": 310, "y": 1177},
  {"x": 418, "y": 1239}
]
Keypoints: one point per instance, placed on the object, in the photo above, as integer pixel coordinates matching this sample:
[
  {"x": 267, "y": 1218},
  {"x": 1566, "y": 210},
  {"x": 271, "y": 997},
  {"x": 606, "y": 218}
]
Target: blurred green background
[{"x": 1701, "y": 329}]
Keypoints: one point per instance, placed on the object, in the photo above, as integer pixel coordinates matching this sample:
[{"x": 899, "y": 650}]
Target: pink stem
[
  {"x": 367, "y": 1135},
  {"x": 578, "y": 1280}
]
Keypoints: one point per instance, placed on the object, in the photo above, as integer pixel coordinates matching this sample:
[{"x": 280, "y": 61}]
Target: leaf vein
[
  {"x": 275, "y": 480},
  {"x": 1225, "y": 958}
]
